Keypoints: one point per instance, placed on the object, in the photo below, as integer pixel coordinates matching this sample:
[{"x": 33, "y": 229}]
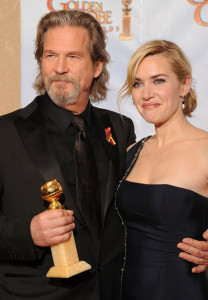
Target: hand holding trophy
[{"x": 65, "y": 256}]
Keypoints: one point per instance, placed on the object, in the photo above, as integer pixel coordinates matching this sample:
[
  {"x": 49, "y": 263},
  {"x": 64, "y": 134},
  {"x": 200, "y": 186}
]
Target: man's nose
[{"x": 61, "y": 66}]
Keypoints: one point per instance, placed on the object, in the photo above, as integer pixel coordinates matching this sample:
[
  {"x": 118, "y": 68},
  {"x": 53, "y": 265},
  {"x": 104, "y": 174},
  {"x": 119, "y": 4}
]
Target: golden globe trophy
[
  {"x": 126, "y": 22},
  {"x": 65, "y": 256}
]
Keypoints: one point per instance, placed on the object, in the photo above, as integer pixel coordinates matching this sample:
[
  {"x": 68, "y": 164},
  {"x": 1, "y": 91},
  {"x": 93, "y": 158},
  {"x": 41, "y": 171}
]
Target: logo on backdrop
[
  {"x": 198, "y": 15},
  {"x": 102, "y": 16}
]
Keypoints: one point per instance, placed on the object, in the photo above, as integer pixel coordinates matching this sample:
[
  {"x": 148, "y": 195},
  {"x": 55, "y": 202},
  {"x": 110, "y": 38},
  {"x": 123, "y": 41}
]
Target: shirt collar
[{"x": 62, "y": 117}]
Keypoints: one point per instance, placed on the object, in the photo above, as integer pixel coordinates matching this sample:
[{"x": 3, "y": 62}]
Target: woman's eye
[
  {"x": 159, "y": 80},
  {"x": 137, "y": 84}
]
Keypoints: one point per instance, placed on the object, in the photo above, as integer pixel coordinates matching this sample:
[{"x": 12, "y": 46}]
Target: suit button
[
  {"x": 100, "y": 268},
  {"x": 83, "y": 227}
]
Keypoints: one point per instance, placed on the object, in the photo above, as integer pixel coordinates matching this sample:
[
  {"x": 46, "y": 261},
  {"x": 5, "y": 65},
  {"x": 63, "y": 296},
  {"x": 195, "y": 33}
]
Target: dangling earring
[{"x": 183, "y": 102}]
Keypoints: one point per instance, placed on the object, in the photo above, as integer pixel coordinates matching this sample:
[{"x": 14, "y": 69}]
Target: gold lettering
[
  {"x": 98, "y": 7},
  {"x": 73, "y": 5},
  {"x": 49, "y": 5},
  {"x": 65, "y": 5},
  {"x": 85, "y": 6},
  {"x": 92, "y": 6},
  {"x": 193, "y": 2},
  {"x": 107, "y": 17},
  {"x": 197, "y": 15},
  {"x": 104, "y": 29},
  {"x": 101, "y": 17}
]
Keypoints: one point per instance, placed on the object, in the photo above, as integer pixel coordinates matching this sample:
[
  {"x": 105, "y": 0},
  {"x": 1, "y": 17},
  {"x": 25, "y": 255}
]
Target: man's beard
[{"x": 61, "y": 97}]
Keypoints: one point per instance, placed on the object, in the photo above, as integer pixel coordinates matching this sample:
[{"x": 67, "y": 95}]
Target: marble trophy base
[
  {"x": 66, "y": 260},
  {"x": 68, "y": 271}
]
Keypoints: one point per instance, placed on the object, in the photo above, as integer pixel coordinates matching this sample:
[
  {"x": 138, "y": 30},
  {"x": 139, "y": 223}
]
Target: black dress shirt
[{"x": 62, "y": 137}]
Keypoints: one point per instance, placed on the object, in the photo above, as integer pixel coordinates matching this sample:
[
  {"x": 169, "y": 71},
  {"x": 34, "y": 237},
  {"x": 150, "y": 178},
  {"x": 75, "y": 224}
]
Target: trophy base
[
  {"x": 125, "y": 38},
  {"x": 68, "y": 271}
]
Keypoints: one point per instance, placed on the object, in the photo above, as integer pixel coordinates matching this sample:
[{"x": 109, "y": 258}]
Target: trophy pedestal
[
  {"x": 66, "y": 260},
  {"x": 126, "y": 28},
  {"x": 125, "y": 38},
  {"x": 68, "y": 271}
]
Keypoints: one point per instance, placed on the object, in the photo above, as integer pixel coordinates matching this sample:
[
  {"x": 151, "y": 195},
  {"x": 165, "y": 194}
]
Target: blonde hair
[
  {"x": 178, "y": 62},
  {"x": 97, "y": 46}
]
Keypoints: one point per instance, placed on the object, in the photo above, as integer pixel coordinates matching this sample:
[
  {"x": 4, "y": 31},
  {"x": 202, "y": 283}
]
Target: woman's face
[{"x": 157, "y": 92}]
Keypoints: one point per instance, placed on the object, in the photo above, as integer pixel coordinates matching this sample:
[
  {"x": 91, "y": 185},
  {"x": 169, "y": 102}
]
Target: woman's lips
[{"x": 150, "y": 105}]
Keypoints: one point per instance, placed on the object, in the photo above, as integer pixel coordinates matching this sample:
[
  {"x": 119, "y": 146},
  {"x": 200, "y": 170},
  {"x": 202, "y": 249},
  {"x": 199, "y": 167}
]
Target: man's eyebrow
[{"x": 70, "y": 52}]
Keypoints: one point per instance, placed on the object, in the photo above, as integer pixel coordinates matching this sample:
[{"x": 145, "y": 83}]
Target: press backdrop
[{"x": 184, "y": 22}]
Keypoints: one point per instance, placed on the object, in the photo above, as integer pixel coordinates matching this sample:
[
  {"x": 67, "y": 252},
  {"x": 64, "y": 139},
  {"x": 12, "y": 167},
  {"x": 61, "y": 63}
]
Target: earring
[{"x": 183, "y": 102}]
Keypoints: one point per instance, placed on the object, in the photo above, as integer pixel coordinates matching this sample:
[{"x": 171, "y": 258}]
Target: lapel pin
[{"x": 109, "y": 137}]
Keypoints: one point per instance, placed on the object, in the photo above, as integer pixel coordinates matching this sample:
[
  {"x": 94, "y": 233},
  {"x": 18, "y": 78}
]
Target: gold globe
[{"x": 51, "y": 191}]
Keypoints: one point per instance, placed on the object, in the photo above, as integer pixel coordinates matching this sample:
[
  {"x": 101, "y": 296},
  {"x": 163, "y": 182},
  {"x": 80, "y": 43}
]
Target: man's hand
[
  {"x": 52, "y": 227},
  {"x": 195, "y": 252}
]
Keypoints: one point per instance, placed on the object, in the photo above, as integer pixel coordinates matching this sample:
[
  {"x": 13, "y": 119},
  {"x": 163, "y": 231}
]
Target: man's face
[{"x": 67, "y": 68}]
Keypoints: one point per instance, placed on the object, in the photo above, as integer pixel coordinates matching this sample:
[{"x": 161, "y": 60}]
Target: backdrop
[{"x": 184, "y": 22}]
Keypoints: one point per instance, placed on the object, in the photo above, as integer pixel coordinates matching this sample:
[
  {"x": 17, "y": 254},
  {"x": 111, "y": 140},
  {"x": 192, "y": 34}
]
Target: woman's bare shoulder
[{"x": 199, "y": 135}]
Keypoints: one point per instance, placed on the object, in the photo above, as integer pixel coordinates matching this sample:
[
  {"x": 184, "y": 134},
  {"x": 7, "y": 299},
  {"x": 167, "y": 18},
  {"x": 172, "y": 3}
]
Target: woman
[{"x": 163, "y": 196}]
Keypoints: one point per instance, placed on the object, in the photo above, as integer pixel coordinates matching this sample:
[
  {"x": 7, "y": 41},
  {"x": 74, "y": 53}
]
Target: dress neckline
[
  {"x": 166, "y": 185},
  {"x": 138, "y": 146}
]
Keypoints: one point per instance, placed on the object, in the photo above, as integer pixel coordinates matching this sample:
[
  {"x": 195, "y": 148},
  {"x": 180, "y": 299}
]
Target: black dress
[{"x": 157, "y": 217}]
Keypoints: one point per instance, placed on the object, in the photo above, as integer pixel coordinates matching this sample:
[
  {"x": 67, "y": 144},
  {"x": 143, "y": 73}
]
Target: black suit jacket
[{"x": 26, "y": 163}]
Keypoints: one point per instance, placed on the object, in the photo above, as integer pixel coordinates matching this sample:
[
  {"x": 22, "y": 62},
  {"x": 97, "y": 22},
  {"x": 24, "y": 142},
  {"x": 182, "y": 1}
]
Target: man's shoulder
[
  {"x": 104, "y": 111},
  {"x": 122, "y": 126},
  {"x": 111, "y": 114},
  {"x": 21, "y": 112}
]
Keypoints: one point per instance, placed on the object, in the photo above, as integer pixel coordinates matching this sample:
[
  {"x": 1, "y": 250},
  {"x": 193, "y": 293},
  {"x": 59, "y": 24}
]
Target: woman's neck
[{"x": 172, "y": 131}]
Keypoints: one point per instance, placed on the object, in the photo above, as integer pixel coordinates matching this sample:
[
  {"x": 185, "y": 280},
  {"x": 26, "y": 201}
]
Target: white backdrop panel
[{"x": 158, "y": 19}]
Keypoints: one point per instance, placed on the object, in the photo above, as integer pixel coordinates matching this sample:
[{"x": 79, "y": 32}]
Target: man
[{"x": 38, "y": 145}]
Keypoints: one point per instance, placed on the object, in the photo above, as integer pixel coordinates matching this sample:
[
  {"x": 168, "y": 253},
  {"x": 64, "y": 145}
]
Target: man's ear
[{"x": 98, "y": 67}]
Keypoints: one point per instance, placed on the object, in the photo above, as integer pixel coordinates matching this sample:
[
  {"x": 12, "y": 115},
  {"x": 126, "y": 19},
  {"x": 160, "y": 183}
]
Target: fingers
[
  {"x": 195, "y": 252},
  {"x": 52, "y": 227},
  {"x": 200, "y": 245},
  {"x": 57, "y": 218},
  {"x": 57, "y": 239},
  {"x": 199, "y": 249},
  {"x": 193, "y": 259},
  {"x": 205, "y": 235},
  {"x": 199, "y": 269}
]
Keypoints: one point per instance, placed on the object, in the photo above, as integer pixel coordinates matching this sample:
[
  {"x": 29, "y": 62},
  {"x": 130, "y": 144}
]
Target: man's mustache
[{"x": 63, "y": 78}]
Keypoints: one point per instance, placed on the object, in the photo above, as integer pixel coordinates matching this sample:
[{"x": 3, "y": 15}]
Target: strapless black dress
[{"x": 157, "y": 217}]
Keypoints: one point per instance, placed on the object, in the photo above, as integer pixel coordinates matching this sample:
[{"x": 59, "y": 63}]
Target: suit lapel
[
  {"x": 34, "y": 137},
  {"x": 102, "y": 121}
]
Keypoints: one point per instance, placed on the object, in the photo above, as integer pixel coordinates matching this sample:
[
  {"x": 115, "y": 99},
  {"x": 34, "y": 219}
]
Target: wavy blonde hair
[{"x": 179, "y": 64}]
